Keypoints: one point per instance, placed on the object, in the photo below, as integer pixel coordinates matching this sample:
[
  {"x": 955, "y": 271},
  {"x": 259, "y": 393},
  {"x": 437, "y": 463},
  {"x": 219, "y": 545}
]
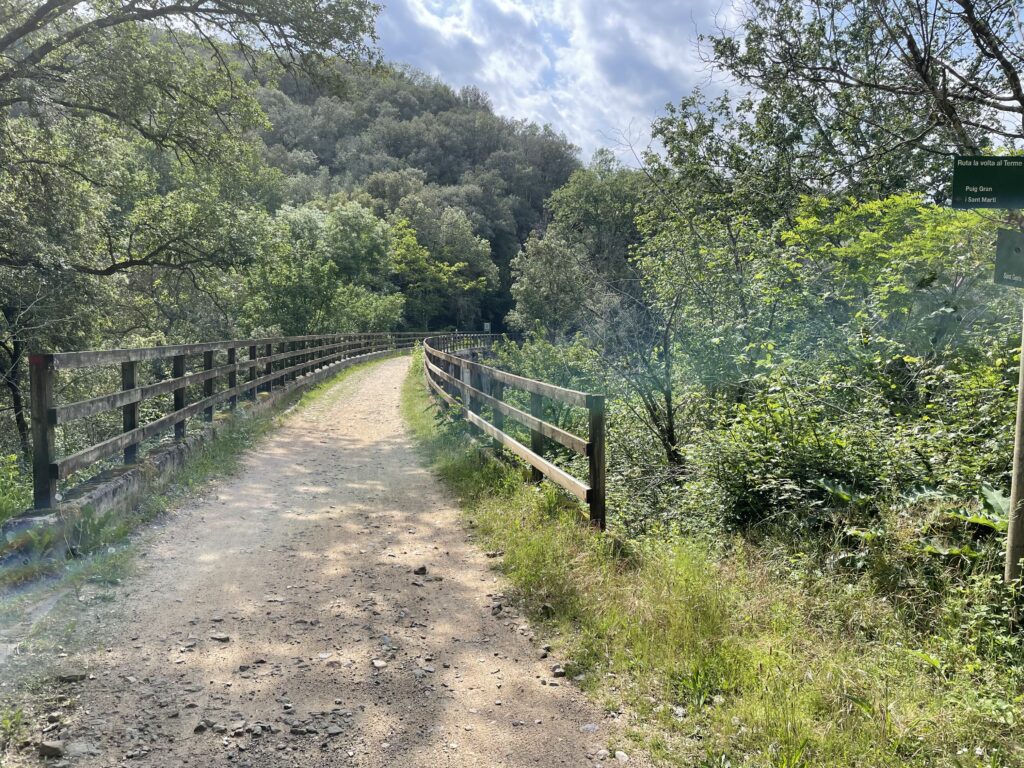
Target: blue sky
[{"x": 597, "y": 70}]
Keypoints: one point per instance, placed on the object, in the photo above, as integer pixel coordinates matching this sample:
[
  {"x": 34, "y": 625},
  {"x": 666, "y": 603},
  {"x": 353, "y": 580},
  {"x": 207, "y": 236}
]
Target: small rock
[
  {"x": 51, "y": 749},
  {"x": 72, "y": 677},
  {"x": 220, "y": 637},
  {"x": 558, "y": 671},
  {"x": 588, "y": 728},
  {"x": 80, "y": 749},
  {"x": 621, "y": 756},
  {"x": 421, "y": 570},
  {"x": 379, "y": 663},
  {"x": 334, "y": 730}
]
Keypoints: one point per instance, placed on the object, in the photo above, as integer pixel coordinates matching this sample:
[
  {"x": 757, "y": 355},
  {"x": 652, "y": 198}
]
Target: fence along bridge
[{"x": 192, "y": 381}]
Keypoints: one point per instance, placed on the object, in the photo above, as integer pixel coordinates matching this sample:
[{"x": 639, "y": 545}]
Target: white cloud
[{"x": 594, "y": 69}]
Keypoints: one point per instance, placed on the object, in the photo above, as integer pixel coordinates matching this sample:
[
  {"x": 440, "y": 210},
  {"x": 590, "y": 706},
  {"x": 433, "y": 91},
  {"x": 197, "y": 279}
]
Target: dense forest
[{"x": 808, "y": 365}]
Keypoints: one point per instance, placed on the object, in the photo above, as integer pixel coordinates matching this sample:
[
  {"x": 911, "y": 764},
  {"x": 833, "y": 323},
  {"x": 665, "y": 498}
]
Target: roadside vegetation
[{"x": 734, "y": 653}]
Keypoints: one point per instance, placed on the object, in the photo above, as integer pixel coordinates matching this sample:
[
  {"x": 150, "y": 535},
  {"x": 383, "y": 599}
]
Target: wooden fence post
[
  {"x": 536, "y": 438},
  {"x": 233, "y": 377},
  {"x": 130, "y": 412},
  {"x": 253, "y": 354},
  {"x": 208, "y": 385},
  {"x": 596, "y": 494},
  {"x": 268, "y": 368},
  {"x": 497, "y": 391},
  {"x": 475, "y": 383},
  {"x": 177, "y": 371},
  {"x": 44, "y": 452}
]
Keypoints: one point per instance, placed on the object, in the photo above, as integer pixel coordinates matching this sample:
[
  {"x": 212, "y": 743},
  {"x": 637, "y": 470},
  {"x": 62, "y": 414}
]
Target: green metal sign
[
  {"x": 1010, "y": 258},
  {"x": 988, "y": 182}
]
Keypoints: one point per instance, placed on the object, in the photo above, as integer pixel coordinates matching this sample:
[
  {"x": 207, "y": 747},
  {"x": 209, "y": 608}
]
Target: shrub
[{"x": 15, "y": 491}]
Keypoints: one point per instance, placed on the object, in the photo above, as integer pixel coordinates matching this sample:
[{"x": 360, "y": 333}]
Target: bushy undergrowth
[
  {"x": 737, "y": 650},
  {"x": 15, "y": 491}
]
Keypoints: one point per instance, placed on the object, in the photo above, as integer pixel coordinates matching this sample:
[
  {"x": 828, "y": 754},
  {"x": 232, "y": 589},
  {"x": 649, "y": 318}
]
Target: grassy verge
[{"x": 719, "y": 662}]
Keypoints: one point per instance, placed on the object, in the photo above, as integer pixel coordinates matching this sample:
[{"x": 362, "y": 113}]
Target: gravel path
[{"x": 285, "y": 620}]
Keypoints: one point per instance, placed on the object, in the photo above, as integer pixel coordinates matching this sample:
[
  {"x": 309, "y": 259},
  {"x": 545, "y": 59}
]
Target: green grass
[
  {"x": 719, "y": 660},
  {"x": 12, "y": 727}
]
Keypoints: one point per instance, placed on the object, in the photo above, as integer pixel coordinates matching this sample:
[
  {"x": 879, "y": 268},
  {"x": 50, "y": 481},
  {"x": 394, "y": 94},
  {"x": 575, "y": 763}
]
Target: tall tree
[
  {"x": 127, "y": 142},
  {"x": 886, "y": 83}
]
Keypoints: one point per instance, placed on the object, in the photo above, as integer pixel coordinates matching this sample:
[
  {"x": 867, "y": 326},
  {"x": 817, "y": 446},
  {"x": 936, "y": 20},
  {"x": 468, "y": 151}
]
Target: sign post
[
  {"x": 988, "y": 182},
  {"x": 998, "y": 182}
]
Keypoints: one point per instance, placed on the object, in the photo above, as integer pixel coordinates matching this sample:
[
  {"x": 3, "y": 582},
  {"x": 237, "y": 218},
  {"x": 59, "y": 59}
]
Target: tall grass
[{"x": 720, "y": 660}]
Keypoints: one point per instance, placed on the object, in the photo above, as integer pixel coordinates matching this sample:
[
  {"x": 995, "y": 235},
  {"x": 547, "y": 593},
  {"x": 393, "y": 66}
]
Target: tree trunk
[{"x": 12, "y": 378}]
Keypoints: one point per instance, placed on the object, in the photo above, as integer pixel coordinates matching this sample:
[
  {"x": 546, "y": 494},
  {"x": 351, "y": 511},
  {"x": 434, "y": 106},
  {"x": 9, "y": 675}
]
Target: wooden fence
[
  {"x": 469, "y": 387},
  {"x": 245, "y": 367}
]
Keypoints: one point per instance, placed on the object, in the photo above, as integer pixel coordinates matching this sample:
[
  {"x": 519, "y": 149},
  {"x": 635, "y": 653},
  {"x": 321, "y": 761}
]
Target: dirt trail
[{"x": 278, "y": 621}]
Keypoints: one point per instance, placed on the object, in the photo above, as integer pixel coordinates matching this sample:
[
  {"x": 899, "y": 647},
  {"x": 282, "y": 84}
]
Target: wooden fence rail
[
  {"x": 469, "y": 387},
  {"x": 246, "y": 367}
]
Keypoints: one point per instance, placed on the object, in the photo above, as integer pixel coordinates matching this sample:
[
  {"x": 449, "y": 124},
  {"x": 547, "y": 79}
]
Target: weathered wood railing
[
  {"x": 275, "y": 365},
  {"x": 470, "y": 386}
]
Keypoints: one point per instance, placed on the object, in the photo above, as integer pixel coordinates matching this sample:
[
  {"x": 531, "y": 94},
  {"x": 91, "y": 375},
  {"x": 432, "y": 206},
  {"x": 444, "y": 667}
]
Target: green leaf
[
  {"x": 996, "y": 502},
  {"x": 985, "y": 522},
  {"x": 932, "y": 661}
]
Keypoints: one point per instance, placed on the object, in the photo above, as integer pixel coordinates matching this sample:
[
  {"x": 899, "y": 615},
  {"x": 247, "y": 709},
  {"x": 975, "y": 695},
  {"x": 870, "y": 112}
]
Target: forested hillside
[{"x": 341, "y": 195}]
